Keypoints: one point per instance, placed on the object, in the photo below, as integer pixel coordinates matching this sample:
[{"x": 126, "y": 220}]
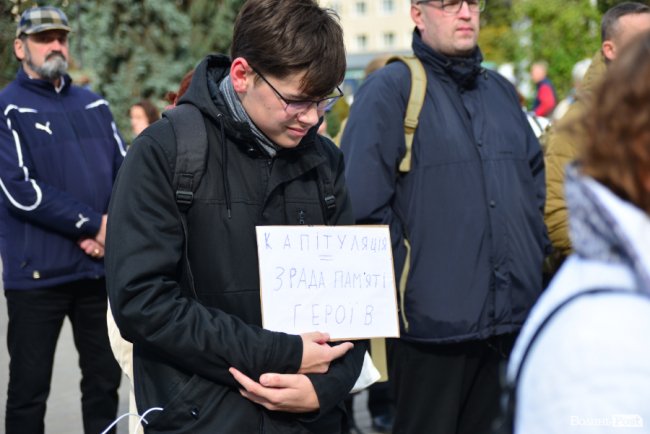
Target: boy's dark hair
[
  {"x": 609, "y": 23},
  {"x": 280, "y": 37}
]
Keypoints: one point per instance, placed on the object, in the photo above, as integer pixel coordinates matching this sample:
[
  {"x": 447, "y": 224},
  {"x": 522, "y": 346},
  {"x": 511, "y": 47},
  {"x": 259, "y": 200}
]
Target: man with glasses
[
  {"x": 191, "y": 303},
  {"x": 466, "y": 219}
]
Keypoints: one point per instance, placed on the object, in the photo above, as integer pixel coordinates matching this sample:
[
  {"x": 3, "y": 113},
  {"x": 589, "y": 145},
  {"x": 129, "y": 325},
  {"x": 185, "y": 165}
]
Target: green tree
[
  {"x": 9, "y": 11},
  {"x": 212, "y": 25},
  {"x": 604, "y": 5},
  {"x": 561, "y": 32},
  {"x": 132, "y": 49},
  {"x": 497, "y": 39}
]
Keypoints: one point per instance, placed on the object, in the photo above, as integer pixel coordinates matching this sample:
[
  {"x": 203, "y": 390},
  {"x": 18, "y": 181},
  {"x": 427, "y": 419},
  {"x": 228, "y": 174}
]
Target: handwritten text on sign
[{"x": 338, "y": 280}]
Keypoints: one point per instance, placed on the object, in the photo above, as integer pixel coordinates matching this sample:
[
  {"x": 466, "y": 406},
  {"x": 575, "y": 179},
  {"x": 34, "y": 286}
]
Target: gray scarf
[{"x": 239, "y": 114}]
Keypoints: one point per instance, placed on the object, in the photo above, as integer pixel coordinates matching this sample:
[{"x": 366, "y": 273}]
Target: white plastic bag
[{"x": 369, "y": 374}]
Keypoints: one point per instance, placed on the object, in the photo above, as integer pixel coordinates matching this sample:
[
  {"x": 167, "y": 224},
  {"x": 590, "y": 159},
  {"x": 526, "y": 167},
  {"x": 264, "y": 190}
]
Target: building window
[
  {"x": 389, "y": 39},
  {"x": 388, "y": 6},
  {"x": 362, "y": 42},
  {"x": 336, "y": 7},
  {"x": 360, "y": 8}
]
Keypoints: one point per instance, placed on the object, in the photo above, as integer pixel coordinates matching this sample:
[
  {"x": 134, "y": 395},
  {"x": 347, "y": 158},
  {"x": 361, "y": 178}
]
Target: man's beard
[{"x": 54, "y": 67}]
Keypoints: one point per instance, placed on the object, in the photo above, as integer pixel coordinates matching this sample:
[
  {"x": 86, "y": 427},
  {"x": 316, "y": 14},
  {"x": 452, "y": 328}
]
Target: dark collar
[
  {"x": 462, "y": 70},
  {"x": 39, "y": 84}
]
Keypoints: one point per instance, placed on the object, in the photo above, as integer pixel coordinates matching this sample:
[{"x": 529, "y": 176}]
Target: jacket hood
[
  {"x": 605, "y": 227},
  {"x": 211, "y": 69}
]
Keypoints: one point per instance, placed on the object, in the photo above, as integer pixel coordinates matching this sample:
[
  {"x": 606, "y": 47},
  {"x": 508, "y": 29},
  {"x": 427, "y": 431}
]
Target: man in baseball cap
[
  {"x": 41, "y": 43},
  {"x": 40, "y": 19},
  {"x": 59, "y": 154}
]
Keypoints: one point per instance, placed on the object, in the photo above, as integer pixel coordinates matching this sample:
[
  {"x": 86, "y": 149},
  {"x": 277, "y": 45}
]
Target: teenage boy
[{"x": 191, "y": 304}]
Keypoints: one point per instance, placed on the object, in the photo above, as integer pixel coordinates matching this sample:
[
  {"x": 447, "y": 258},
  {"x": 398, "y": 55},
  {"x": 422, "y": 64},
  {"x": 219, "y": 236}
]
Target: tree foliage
[
  {"x": 146, "y": 55},
  {"x": 604, "y": 5},
  {"x": 8, "y": 64},
  {"x": 560, "y": 32},
  {"x": 497, "y": 40},
  {"x": 212, "y": 25},
  {"x": 129, "y": 49}
]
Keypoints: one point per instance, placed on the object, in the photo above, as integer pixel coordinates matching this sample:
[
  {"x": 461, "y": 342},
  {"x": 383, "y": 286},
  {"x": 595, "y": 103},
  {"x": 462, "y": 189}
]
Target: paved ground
[{"x": 64, "y": 405}]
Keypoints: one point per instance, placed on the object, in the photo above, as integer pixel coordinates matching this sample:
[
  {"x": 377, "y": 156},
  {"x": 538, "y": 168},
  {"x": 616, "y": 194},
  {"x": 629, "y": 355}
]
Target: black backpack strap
[
  {"x": 327, "y": 192},
  {"x": 191, "y": 158},
  {"x": 506, "y": 422},
  {"x": 326, "y": 186},
  {"x": 191, "y": 152}
]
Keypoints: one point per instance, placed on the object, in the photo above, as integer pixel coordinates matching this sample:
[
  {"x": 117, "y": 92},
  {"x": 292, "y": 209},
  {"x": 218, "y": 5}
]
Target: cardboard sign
[{"x": 334, "y": 279}]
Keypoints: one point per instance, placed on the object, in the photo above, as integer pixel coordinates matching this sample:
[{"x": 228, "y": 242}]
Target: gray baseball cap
[{"x": 41, "y": 19}]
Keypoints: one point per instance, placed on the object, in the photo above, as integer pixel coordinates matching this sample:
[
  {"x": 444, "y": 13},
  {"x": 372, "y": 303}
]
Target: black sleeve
[{"x": 143, "y": 261}]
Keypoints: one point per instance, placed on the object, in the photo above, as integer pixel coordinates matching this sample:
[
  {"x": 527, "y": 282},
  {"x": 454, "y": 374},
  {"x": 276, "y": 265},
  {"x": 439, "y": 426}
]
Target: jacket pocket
[
  {"x": 195, "y": 409},
  {"x": 175, "y": 416},
  {"x": 47, "y": 254},
  {"x": 202, "y": 406}
]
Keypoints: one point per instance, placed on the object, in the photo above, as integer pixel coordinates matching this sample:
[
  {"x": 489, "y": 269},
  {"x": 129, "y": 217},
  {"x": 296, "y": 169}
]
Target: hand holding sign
[{"x": 317, "y": 354}]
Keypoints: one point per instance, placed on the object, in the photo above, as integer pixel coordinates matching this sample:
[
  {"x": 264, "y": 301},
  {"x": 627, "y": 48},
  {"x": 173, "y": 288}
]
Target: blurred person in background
[
  {"x": 582, "y": 361},
  {"x": 142, "y": 114},
  {"x": 619, "y": 25},
  {"x": 577, "y": 75},
  {"x": 545, "y": 95},
  {"x": 172, "y": 97}
]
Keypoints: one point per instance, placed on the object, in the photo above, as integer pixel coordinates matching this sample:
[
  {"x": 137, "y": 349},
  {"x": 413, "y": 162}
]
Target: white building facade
[{"x": 372, "y": 28}]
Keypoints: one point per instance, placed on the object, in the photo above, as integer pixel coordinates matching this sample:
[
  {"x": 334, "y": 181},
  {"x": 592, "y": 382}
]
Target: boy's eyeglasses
[{"x": 295, "y": 107}]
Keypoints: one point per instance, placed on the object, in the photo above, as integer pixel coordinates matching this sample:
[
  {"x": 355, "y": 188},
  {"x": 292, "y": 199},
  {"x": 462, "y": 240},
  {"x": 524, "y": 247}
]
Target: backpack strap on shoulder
[
  {"x": 414, "y": 105},
  {"x": 191, "y": 158},
  {"x": 191, "y": 152},
  {"x": 326, "y": 187}
]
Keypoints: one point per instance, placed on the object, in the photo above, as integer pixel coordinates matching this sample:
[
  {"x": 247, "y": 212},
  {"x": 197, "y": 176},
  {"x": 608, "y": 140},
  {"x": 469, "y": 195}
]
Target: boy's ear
[{"x": 240, "y": 74}]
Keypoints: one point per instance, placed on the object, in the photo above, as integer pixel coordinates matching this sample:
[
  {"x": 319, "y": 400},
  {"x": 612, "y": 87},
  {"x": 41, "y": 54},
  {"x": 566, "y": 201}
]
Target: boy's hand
[
  {"x": 317, "y": 354},
  {"x": 292, "y": 393}
]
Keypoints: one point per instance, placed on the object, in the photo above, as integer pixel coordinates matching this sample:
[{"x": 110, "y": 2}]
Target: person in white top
[{"x": 582, "y": 360}]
